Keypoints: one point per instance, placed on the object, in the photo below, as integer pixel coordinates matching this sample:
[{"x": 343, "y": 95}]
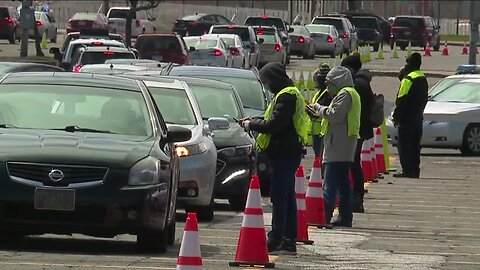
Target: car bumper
[
  {"x": 298, "y": 48},
  {"x": 324, "y": 48},
  {"x": 268, "y": 58}
]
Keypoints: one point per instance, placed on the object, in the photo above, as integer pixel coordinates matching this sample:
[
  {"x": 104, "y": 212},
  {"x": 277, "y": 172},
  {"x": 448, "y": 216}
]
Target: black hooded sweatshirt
[{"x": 284, "y": 139}]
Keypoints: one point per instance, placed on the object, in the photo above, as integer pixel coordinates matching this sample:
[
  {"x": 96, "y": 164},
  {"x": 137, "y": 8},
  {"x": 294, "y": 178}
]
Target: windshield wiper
[{"x": 81, "y": 129}]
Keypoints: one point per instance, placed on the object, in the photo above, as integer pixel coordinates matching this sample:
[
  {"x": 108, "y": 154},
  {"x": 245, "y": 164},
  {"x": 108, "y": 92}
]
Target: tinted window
[
  {"x": 208, "y": 18},
  {"x": 222, "y": 20},
  {"x": 101, "y": 57},
  {"x": 277, "y": 22},
  {"x": 58, "y": 106},
  {"x": 147, "y": 43},
  {"x": 85, "y": 16},
  {"x": 362, "y": 22},
  {"x": 240, "y": 31},
  {"x": 216, "y": 102},
  {"x": 119, "y": 13},
  {"x": 4, "y": 13},
  {"x": 408, "y": 22},
  {"x": 201, "y": 43},
  {"x": 268, "y": 38},
  {"x": 335, "y": 22},
  {"x": 174, "y": 105}
]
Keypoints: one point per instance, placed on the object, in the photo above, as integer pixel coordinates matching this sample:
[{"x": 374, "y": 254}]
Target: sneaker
[
  {"x": 273, "y": 246},
  {"x": 289, "y": 247}
]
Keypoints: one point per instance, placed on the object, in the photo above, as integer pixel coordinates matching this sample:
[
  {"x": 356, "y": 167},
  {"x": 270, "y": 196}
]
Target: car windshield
[
  {"x": 318, "y": 28},
  {"x": 442, "y": 85},
  {"x": 362, "y": 22},
  {"x": 174, "y": 105},
  {"x": 101, "y": 57},
  {"x": 408, "y": 22},
  {"x": 119, "y": 14},
  {"x": 215, "y": 102},
  {"x": 467, "y": 91},
  {"x": 201, "y": 43},
  {"x": 267, "y": 38},
  {"x": 85, "y": 16},
  {"x": 338, "y": 23},
  {"x": 265, "y": 21},
  {"x": 249, "y": 90},
  {"x": 153, "y": 43},
  {"x": 242, "y": 32},
  {"x": 58, "y": 106}
]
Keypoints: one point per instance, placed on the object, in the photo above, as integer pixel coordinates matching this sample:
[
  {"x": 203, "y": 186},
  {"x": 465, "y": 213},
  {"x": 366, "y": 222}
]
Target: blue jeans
[
  {"x": 284, "y": 213},
  {"x": 337, "y": 181}
]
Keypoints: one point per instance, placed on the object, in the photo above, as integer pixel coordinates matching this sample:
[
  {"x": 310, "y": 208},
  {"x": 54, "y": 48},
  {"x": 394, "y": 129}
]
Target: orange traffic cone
[
  {"x": 379, "y": 152},
  {"x": 366, "y": 162},
  {"x": 465, "y": 48},
  {"x": 190, "y": 257},
  {"x": 374, "y": 159},
  {"x": 427, "y": 50},
  {"x": 445, "y": 48},
  {"x": 252, "y": 243},
  {"x": 302, "y": 228},
  {"x": 314, "y": 199}
]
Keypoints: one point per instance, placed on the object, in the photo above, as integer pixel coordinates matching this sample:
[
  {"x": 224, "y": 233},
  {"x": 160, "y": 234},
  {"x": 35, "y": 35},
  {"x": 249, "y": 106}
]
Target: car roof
[
  {"x": 412, "y": 16},
  {"x": 330, "y": 17},
  {"x": 223, "y": 35},
  {"x": 114, "y": 66},
  {"x": 123, "y": 8},
  {"x": 90, "y": 40},
  {"x": 107, "y": 48},
  {"x": 231, "y": 25},
  {"x": 463, "y": 76},
  {"x": 72, "y": 78},
  {"x": 215, "y": 71},
  {"x": 154, "y": 76},
  {"x": 163, "y": 81}
]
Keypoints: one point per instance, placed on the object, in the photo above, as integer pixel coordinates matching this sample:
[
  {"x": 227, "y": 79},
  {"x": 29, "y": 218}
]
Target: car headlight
[
  {"x": 236, "y": 151},
  {"x": 144, "y": 172},
  {"x": 189, "y": 150}
]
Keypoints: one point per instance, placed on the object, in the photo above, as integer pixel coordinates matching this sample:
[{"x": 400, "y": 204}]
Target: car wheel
[
  {"x": 153, "y": 241},
  {"x": 13, "y": 37},
  {"x": 471, "y": 140},
  {"x": 171, "y": 232}
]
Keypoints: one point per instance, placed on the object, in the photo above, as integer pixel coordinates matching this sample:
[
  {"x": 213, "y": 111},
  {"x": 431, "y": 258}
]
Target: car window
[
  {"x": 215, "y": 102},
  {"x": 200, "y": 43},
  {"x": 50, "y": 18},
  {"x": 85, "y": 16},
  {"x": 174, "y": 105},
  {"x": 265, "y": 21},
  {"x": 222, "y": 20},
  {"x": 442, "y": 85},
  {"x": 100, "y": 57},
  {"x": 428, "y": 22},
  {"x": 119, "y": 14},
  {"x": 208, "y": 18},
  {"x": 462, "y": 92},
  {"x": 330, "y": 21},
  {"x": 149, "y": 43},
  {"x": 318, "y": 28},
  {"x": 142, "y": 15},
  {"x": 268, "y": 38},
  {"x": 243, "y": 32},
  {"x": 363, "y": 22},
  {"x": 408, "y": 22},
  {"x": 298, "y": 30},
  {"x": 59, "y": 106},
  {"x": 229, "y": 42},
  {"x": 4, "y": 13}
]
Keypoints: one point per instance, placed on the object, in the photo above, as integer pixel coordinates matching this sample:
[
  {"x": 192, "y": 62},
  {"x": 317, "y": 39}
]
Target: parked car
[
  {"x": 451, "y": 116},
  {"x": 85, "y": 20},
  {"x": 209, "y": 51},
  {"x": 239, "y": 53},
  {"x": 46, "y": 25},
  {"x": 95, "y": 157},
  {"x": 12, "y": 67},
  {"x": 420, "y": 31},
  {"x": 9, "y": 24},
  {"x": 142, "y": 22},
  {"x": 90, "y": 34},
  {"x": 248, "y": 36},
  {"x": 326, "y": 39},
  {"x": 368, "y": 31},
  {"x": 302, "y": 44},
  {"x": 271, "y": 49},
  {"x": 278, "y": 23},
  {"x": 344, "y": 28},
  {"x": 168, "y": 47},
  {"x": 385, "y": 25},
  {"x": 98, "y": 55},
  {"x": 198, "y": 24},
  {"x": 110, "y": 69}
]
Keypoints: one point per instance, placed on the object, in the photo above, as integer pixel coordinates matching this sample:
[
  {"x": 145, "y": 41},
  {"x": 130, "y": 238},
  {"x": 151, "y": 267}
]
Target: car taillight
[
  {"x": 137, "y": 23},
  {"x": 77, "y": 68},
  {"x": 230, "y": 27},
  {"x": 38, "y": 23},
  {"x": 277, "y": 47},
  {"x": 259, "y": 33},
  {"x": 301, "y": 40},
  {"x": 108, "y": 53},
  {"x": 9, "y": 20},
  {"x": 97, "y": 43},
  {"x": 264, "y": 17},
  {"x": 329, "y": 39},
  {"x": 234, "y": 51},
  {"x": 345, "y": 35},
  {"x": 217, "y": 53}
]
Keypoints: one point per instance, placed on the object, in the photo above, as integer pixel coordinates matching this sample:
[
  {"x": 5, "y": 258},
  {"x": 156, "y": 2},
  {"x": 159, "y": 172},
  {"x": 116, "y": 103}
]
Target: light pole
[{"x": 472, "y": 55}]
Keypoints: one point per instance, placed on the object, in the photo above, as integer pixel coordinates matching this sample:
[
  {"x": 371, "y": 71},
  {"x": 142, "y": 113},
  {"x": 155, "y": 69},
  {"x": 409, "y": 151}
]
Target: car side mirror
[
  {"x": 290, "y": 30},
  {"x": 218, "y": 123},
  {"x": 260, "y": 41},
  {"x": 191, "y": 49},
  {"x": 178, "y": 134}
]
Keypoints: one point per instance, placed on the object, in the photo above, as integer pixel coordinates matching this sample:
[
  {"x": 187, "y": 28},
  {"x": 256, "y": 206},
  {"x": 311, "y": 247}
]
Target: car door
[{"x": 51, "y": 28}]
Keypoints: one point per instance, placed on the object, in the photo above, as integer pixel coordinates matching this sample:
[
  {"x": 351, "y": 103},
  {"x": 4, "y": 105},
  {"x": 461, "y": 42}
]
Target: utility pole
[{"x": 472, "y": 54}]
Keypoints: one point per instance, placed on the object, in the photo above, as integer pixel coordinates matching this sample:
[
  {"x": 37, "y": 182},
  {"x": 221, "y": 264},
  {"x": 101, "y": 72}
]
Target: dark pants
[
  {"x": 317, "y": 145},
  {"x": 409, "y": 136},
  {"x": 284, "y": 214},
  {"x": 337, "y": 181},
  {"x": 358, "y": 180}
]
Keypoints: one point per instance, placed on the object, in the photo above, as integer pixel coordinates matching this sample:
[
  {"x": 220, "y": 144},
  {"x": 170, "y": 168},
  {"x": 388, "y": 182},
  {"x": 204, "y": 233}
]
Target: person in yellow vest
[
  {"x": 323, "y": 98},
  {"x": 282, "y": 136},
  {"x": 408, "y": 115},
  {"x": 340, "y": 129}
]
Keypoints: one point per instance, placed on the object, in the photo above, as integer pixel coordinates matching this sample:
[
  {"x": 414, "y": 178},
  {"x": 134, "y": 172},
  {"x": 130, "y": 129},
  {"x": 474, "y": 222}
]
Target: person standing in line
[
  {"x": 283, "y": 134},
  {"x": 411, "y": 100}
]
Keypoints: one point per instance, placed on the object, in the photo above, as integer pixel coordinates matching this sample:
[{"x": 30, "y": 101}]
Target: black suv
[
  {"x": 198, "y": 24},
  {"x": 368, "y": 31},
  {"x": 419, "y": 30},
  {"x": 9, "y": 24},
  {"x": 279, "y": 23}
]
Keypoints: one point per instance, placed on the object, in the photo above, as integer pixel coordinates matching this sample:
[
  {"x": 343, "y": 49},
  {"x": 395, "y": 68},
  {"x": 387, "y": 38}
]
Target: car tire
[
  {"x": 171, "y": 232},
  {"x": 13, "y": 37},
  {"x": 153, "y": 241},
  {"x": 471, "y": 140}
]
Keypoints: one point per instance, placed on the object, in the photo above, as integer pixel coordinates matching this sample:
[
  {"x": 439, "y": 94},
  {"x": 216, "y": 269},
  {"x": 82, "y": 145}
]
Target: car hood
[
  {"x": 254, "y": 112},
  {"x": 452, "y": 111},
  {"x": 72, "y": 148},
  {"x": 233, "y": 136}
]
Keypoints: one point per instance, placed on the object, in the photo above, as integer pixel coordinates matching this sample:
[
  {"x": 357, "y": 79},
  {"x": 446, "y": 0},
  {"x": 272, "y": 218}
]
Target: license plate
[
  {"x": 407, "y": 33},
  {"x": 157, "y": 57},
  {"x": 55, "y": 199}
]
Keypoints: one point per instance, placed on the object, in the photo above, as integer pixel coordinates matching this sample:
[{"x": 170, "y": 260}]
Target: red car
[
  {"x": 163, "y": 47},
  {"x": 82, "y": 20},
  {"x": 9, "y": 24}
]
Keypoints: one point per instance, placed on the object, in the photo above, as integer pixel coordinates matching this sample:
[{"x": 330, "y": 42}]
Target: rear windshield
[
  {"x": 4, "y": 13},
  {"x": 240, "y": 31},
  {"x": 261, "y": 21},
  {"x": 335, "y": 22},
  {"x": 298, "y": 30},
  {"x": 268, "y": 38},
  {"x": 318, "y": 28},
  {"x": 101, "y": 57},
  {"x": 158, "y": 43},
  {"x": 201, "y": 43},
  {"x": 119, "y": 13},
  {"x": 408, "y": 22},
  {"x": 362, "y": 22},
  {"x": 84, "y": 16},
  {"x": 230, "y": 42},
  {"x": 191, "y": 17}
]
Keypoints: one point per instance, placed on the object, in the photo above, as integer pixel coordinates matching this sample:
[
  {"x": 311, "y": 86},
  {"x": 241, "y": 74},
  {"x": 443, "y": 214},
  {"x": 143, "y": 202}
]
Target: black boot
[{"x": 358, "y": 202}]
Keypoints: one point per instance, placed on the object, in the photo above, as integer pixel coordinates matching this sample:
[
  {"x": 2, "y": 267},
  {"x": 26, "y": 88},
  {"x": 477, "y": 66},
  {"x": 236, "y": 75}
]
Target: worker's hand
[{"x": 246, "y": 125}]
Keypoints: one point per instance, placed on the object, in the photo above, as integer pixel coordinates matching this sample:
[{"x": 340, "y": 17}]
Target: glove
[{"x": 246, "y": 125}]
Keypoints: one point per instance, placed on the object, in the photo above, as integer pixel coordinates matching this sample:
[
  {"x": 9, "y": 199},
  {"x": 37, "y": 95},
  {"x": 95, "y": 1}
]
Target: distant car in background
[
  {"x": 385, "y": 25},
  {"x": 368, "y": 31},
  {"x": 344, "y": 28},
  {"x": 165, "y": 47},
  {"x": 326, "y": 39},
  {"x": 142, "y": 22},
  {"x": 210, "y": 50},
  {"x": 12, "y": 67},
  {"x": 302, "y": 44},
  {"x": 89, "y": 34},
  {"x": 100, "y": 54},
  {"x": 198, "y": 24},
  {"x": 85, "y": 20},
  {"x": 236, "y": 48},
  {"x": 9, "y": 24},
  {"x": 272, "y": 49},
  {"x": 111, "y": 69},
  {"x": 420, "y": 31},
  {"x": 45, "y": 24}
]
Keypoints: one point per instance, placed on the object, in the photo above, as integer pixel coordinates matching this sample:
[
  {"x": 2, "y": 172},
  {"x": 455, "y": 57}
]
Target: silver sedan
[
  {"x": 326, "y": 39},
  {"x": 240, "y": 54},
  {"x": 272, "y": 48},
  {"x": 209, "y": 51}
]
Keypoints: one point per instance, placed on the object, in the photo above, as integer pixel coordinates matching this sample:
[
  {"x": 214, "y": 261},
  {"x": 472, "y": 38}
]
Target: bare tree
[{"x": 136, "y": 5}]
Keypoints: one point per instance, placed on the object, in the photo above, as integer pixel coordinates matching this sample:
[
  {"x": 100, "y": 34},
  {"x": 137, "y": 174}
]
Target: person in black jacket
[
  {"x": 285, "y": 152},
  {"x": 411, "y": 100},
  {"x": 361, "y": 81}
]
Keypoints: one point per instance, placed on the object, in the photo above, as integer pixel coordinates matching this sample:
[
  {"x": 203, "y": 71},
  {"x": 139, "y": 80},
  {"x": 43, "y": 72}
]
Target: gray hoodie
[{"x": 338, "y": 146}]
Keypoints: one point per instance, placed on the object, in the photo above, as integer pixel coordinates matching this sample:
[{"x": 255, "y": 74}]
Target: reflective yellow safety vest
[
  {"x": 315, "y": 127},
  {"x": 353, "y": 117},
  {"x": 406, "y": 82},
  {"x": 300, "y": 118}
]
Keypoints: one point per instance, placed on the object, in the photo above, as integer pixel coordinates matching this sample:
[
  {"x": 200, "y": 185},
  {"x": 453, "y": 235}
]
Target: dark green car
[{"x": 87, "y": 154}]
